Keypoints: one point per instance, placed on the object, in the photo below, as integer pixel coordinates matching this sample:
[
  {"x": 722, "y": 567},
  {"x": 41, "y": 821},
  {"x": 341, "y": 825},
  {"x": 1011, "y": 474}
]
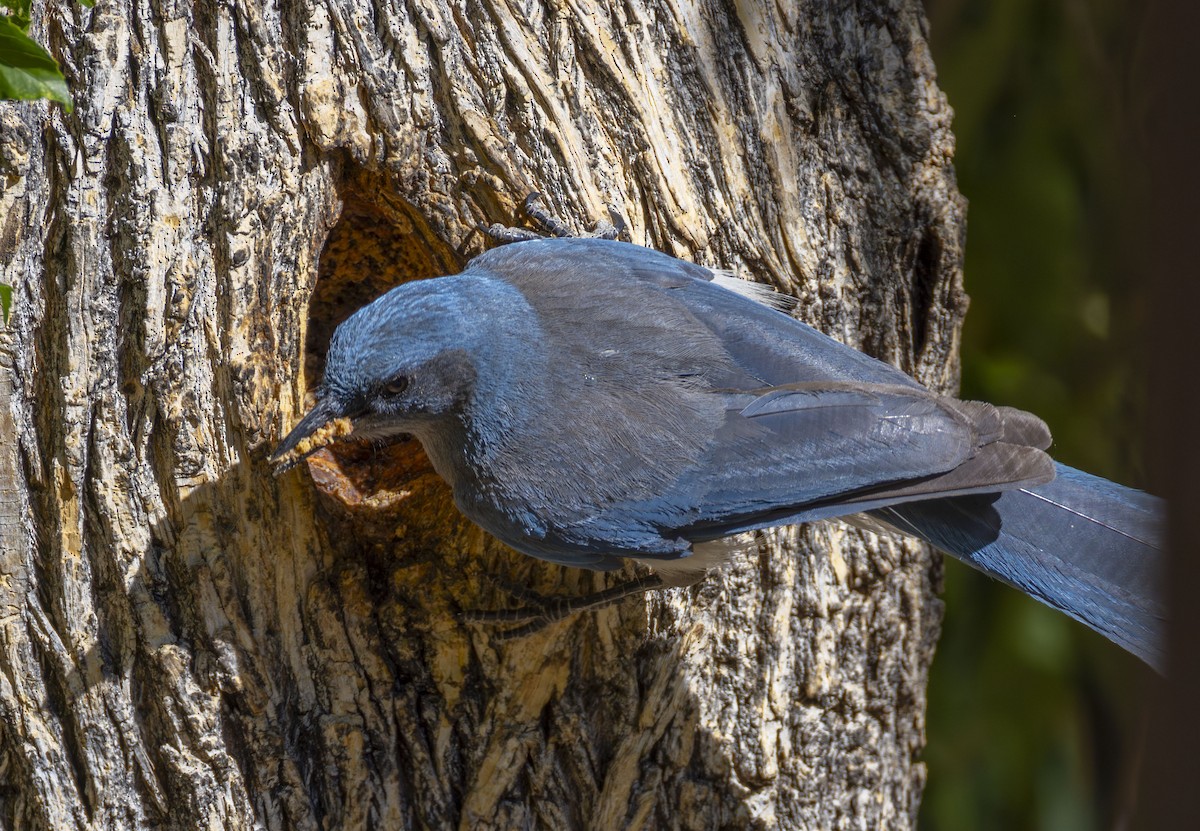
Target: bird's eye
[{"x": 397, "y": 385}]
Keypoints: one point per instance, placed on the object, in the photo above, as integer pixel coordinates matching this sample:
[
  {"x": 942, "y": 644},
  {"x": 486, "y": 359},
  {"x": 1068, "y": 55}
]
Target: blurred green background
[{"x": 1035, "y": 722}]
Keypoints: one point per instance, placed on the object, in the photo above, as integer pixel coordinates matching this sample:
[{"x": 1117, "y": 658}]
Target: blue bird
[{"x": 590, "y": 401}]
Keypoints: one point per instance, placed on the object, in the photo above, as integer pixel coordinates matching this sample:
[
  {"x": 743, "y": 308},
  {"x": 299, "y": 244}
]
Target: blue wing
[
  {"x": 804, "y": 427},
  {"x": 782, "y": 424}
]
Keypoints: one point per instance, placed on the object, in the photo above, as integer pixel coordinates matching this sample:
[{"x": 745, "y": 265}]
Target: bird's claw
[
  {"x": 547, "y": 225},
  {"x": 540, "y": 611}
]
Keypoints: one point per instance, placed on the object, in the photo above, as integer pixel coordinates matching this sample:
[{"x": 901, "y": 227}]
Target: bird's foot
[
  {"x": 539, "y": 611},
  {"x": 549, "y": 226}
]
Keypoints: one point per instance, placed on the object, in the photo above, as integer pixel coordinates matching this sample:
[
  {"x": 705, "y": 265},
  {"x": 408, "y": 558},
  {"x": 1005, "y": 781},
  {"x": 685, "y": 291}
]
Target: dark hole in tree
[
  {"x": 372, "y": 249},
  {"x": 925, "y": 271}
]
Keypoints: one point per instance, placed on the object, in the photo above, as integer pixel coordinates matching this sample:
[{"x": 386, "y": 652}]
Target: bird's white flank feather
[{"x": 726, "y": 279}]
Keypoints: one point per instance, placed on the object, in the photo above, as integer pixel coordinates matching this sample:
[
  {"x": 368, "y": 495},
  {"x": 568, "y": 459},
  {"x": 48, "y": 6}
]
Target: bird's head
[{"x": 398, "y": 365}]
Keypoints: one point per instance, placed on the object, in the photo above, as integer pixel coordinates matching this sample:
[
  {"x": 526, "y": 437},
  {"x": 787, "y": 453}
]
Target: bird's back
[{"x": 692, "y": 412}]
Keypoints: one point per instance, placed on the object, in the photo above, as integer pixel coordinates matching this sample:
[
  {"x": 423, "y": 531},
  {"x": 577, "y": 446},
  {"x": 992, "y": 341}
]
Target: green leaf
[
  {"x": 87, "y": 4},
  {"x": 26, "y": 69},
  {"x": 20, "y": 12},
  {"x": 5, "y": 301}
]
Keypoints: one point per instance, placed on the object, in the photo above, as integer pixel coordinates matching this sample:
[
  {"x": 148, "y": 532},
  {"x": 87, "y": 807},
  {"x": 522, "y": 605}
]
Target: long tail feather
[{"x": 1081, "y": 544}]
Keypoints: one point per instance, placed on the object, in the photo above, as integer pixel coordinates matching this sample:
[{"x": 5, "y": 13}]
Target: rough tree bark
[{"x": 189, "y": 642}]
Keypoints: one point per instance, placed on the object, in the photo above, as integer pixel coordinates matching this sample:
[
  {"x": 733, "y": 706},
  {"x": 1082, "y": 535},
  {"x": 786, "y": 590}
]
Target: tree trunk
[{"x": 189, "y": 641}]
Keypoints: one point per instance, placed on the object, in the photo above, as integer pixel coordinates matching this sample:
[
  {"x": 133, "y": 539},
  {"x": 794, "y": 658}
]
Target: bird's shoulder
[
  {"x": 611, "y": 313},
  {"x": 594, "y": 281}
]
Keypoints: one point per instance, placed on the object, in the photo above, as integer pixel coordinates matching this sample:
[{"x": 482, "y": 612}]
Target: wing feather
[{"x": 809, "y": 428}]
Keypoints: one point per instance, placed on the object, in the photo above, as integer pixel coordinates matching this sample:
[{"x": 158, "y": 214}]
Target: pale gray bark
[{"x": 189, "y": 642}]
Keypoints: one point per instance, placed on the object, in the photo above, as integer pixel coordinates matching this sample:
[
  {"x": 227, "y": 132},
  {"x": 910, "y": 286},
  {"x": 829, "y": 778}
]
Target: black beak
[{"x": 325, "y": 411}]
